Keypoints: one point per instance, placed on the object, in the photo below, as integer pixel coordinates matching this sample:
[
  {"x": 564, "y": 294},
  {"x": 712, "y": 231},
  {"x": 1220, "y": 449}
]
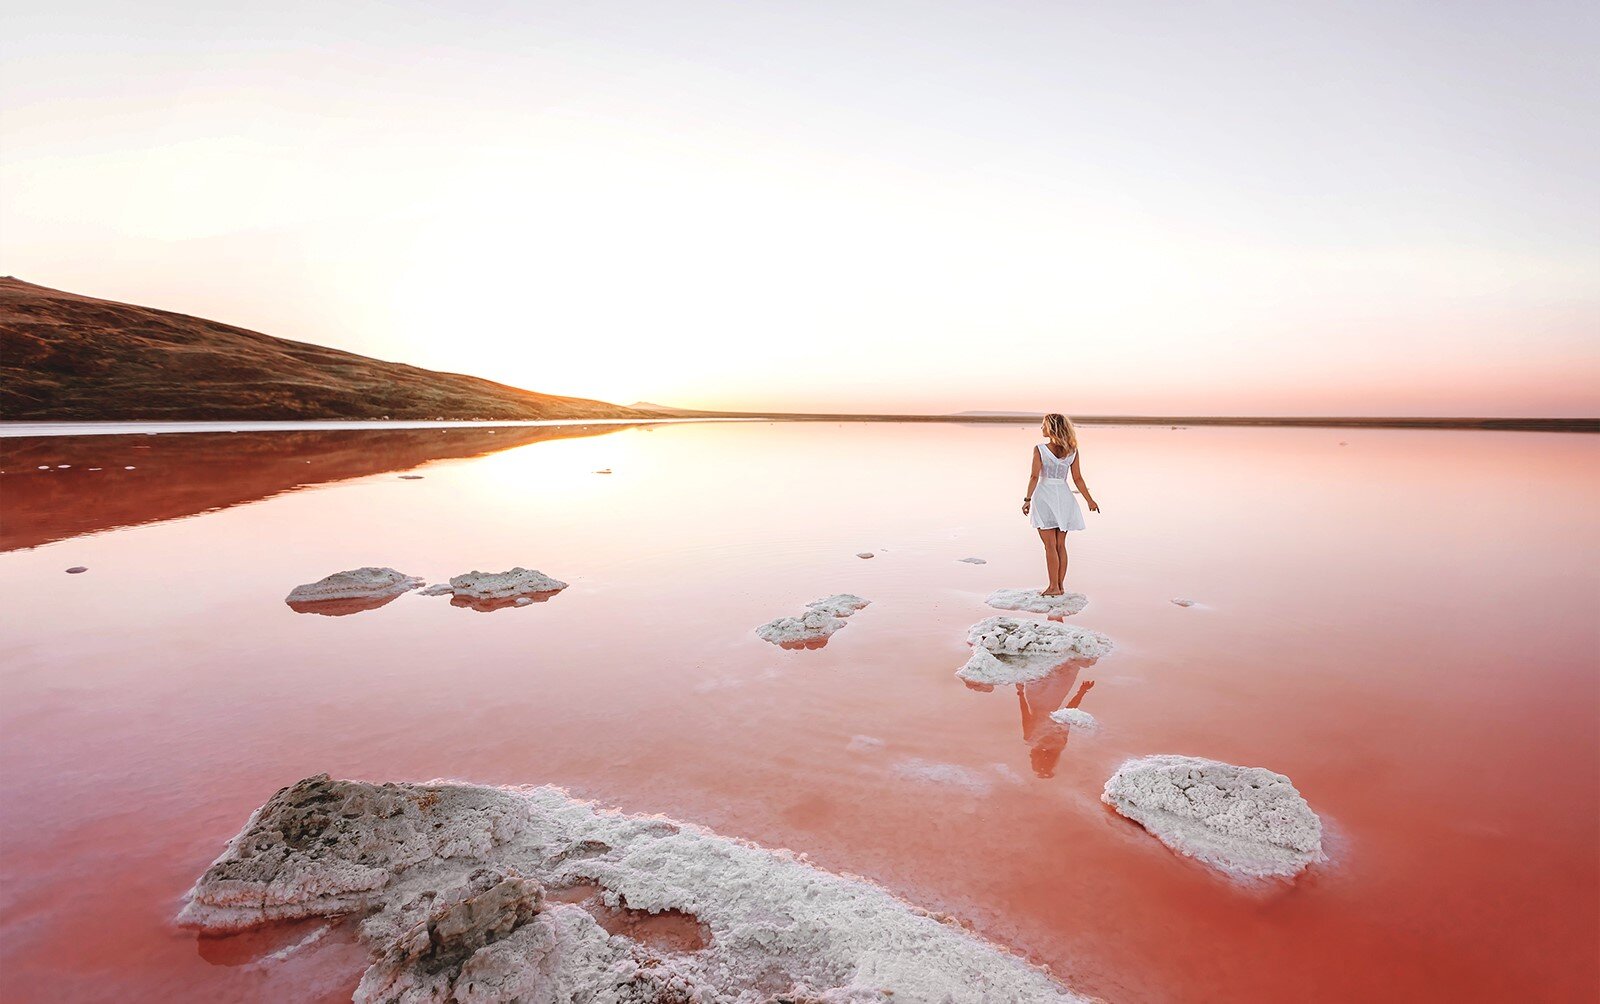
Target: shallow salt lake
[{"x": 1403, "y": 622}]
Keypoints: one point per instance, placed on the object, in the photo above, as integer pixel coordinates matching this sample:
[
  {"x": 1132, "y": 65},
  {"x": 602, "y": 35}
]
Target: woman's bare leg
[
  {"x": 1061, "y": 560},
  {"x": 1046, "y": 537}
]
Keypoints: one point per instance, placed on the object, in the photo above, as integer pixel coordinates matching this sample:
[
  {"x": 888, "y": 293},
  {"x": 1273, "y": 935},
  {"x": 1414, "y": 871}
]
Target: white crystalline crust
[
  {"x": 1074, "y": 718},
  {"x": 1029, "y": 599},
  {"x": 438, "y": 589},
  {"x": 813, "y": 625},
  {"x": 1010, "y": 650},
  {"x": 355, "y": 584},
  {"x": 839, "y": 604},
  {"x": 451, "y": 879},
  {"x": 822, "y": 618},
  {"x": 503, "y": 585},
  {"x": 1245, "y": 821},
  {"x": 974, "y": 561}
]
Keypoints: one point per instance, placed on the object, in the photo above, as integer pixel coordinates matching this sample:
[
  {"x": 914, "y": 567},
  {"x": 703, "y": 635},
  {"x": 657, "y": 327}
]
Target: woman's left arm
[{"x": 1083, "y": 489}]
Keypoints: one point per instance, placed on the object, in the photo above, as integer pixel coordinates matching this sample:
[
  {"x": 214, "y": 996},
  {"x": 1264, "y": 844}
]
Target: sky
[{"x": 1360, "y": 208}]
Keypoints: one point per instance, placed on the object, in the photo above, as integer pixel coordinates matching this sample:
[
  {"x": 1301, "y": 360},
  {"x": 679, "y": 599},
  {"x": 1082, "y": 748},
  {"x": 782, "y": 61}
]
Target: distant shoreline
[
  {"x": 1335, "y": 422},
  {"x": 65, "y": 427}
]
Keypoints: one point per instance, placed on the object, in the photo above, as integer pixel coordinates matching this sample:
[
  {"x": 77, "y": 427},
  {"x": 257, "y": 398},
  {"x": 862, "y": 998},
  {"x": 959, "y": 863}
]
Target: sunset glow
[{"x": 1172, "y": 209}]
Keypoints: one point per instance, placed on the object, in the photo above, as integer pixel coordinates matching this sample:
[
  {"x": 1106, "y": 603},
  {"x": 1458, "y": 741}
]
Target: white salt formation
[
  {"x": 1074, "y": 718},
  {"x": 810, "y": 627},
  {"x": 496, "y": 895},
  {"x": 356, "y": 584},
  {"x": 863, "y": 554},
  {"x": 839, "y": 604},
  {"x": 1009, "y": 650},
  {"x": 973, "y": 561},
  {"x": 1064, "y": 605},
  {"x": 438, "y": 589},
  {"x": 1246, "y": 821},
  {"x": 1184, "y": 603},
  {"x": 519, "y": 581}
]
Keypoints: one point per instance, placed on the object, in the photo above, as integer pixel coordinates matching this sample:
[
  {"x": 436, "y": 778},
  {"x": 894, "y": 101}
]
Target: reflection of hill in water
[{"x": 182, "y": 475}]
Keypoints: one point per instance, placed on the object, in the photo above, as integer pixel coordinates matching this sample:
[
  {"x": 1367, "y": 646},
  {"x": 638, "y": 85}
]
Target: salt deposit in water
[
  {"x": 1011, "y": 650},
  {"x": 863, "y": 554},
  {"x": 77, "y": 569},
  {"x": 410, "y": 477},
  {"x": 840, "y": 604},
  {"x": 1184, "y": 603},
  {"x": 1030, "y": 600},
  {"x": 486, "y": 591},
  {"x": 474, "y": 893},
  {"x": 1075, "y": 718},
  {"x": 974, "y": 561},
  {"x": 351, "y": 591},
  {"x": 812, "y": 629},
  {"x": 1247, "y": 822}
]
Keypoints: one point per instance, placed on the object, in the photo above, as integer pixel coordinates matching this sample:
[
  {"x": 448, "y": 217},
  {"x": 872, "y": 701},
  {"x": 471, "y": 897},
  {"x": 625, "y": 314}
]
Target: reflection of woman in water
[
  {"x": 1049, "y": 501},
  {"x": 1047, "y": 739}
]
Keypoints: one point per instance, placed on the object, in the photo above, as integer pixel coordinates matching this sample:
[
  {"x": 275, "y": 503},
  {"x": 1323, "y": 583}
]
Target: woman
[{"x": 1049, "y": 501}]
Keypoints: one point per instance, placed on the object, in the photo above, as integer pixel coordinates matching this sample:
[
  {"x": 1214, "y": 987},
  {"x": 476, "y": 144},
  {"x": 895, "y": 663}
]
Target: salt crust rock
[
  {"x": 811, "y": 626},
  {"x": 1245, "y": 821},
  {"x": 356, "y": 584},
  {"x": 1009, "y": 650},
  {"x": 519, "y": 581},
  {"x": 1184, "y": 603},
  {"x": 450, "y": 878},
  {"x": 864, "y": 554},
  {"x": 1074, "y": 718},
  {"x": 822, "y": 618},
  {"x": 974, "y": 561},
  {"x": 839, "y": 604},
  {"x": 438, "y": 589},
  {"x": 77, "y": 569},
  {"x": 1064, "y": 605}
]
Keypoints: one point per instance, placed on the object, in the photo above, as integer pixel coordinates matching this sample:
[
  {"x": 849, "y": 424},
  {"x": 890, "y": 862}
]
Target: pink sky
[{"x": 938, "y": 207}]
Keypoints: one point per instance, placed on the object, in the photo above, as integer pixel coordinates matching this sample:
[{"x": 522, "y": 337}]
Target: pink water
[{"x": 1406, "y": 625}]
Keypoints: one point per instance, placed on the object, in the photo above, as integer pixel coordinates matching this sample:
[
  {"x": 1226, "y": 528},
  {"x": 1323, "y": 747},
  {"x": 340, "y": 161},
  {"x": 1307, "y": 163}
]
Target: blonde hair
[{"x": 1059, "y": 429}]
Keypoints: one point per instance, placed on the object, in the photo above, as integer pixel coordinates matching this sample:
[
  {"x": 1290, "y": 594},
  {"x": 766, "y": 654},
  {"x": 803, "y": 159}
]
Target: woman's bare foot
[{"x": 1050, "y": 592}]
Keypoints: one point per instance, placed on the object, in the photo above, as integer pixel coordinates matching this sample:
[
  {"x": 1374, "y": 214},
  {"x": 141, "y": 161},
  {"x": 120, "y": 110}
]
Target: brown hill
[{"x": 65, "y": 356}]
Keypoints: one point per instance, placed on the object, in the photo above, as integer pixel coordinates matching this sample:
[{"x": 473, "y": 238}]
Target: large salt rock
[
  {"x": 462, "y": 894},
  {"x": 1030, "y": 600},
  {"x": 1010, "y": 650},
  {"x": 839, "y": 604},
  {"x": 351, "y": 591},
  {"x": 1246, "y": 821},
  {"x": 504, "y": 585},
  {"x": 809, "y": 630}
]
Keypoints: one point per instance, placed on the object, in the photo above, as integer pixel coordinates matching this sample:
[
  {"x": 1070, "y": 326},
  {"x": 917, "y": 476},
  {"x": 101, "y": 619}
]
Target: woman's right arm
[{"x": 1033, "y": 481}]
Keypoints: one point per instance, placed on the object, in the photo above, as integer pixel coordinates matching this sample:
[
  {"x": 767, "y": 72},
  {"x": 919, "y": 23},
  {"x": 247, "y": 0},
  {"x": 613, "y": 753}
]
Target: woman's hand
[
  {"x": 1094, "y": 506},
  {"x": 1026, "y": 504}
]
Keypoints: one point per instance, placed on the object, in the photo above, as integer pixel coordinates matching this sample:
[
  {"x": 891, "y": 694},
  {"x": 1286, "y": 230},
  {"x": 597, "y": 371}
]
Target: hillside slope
[{"x": 65, "y": 356}]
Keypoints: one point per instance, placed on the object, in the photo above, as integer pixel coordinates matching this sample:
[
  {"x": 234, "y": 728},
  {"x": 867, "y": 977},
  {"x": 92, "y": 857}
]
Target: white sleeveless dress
[{"x": 1054, "y": 507}]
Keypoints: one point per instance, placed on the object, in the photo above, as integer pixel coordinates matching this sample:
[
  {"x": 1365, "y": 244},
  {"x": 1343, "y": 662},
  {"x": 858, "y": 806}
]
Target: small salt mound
[
  {"x": 1245, "y": 821},
  {"x": 973, "y": 561},
  {"x": 410, "y": 477},
  {"x": 77, "y": 569},
  {"x": 438, "y": 589},
  {"x": 1074, "y": 718},
  {"x": 366, "y": 583},
  {"x": 791, "y": 632},
  {"x": 839, "y": 604},
  {"x": 1009, "y": 650},
  {"x": 863, "y": 554},
  {"x": 519, "y": 581},
  {"x": 1184, "y": 603},
  {"x": 864, "y": 744},
  {"x": 1064, "y": 605},
  {"x": 473, "y": 893}
]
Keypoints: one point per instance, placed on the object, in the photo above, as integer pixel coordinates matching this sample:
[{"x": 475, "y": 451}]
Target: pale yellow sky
[{"x": 1345, "y": 208}]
